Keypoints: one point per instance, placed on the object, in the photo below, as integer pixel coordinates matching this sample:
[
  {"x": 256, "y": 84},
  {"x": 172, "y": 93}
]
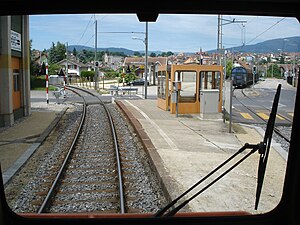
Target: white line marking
[{"x": 160, "y": 131}]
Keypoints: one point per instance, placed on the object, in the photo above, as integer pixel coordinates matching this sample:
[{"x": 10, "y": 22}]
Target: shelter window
[
  {"x": 161, "y": 89},
  {"x": 188, "y": 85},
  {"x": 210, "y": 80}
]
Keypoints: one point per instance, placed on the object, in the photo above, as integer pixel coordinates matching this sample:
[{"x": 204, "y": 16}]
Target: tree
[
  {"x": 166, "y": 54},
  {"x": 57, "y": 52},
  {"x": 152, "y": 54},
  {"x": 228, "y": 68},
  {"x": 87, "y": 74},
  {"x": 274, "y": 71},
  {"x": 138, "y": 54},
  {"x": 53, "y": 69},
  {"x": 74, "y": 52}
]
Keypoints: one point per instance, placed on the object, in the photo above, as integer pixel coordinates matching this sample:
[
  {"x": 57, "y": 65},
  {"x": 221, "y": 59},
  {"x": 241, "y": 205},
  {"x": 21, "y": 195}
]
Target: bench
[
  {"x": 114, "y": 90},
  {"x": 128, "y": 89}
]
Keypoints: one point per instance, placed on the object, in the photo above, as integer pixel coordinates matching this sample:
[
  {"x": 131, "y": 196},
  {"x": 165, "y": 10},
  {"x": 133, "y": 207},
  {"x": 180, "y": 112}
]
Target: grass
[{"x": 51, "y": 88}]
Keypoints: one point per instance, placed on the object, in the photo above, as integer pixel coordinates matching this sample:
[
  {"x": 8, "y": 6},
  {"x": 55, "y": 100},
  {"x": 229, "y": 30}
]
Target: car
[{"x": 137, "y": 82}]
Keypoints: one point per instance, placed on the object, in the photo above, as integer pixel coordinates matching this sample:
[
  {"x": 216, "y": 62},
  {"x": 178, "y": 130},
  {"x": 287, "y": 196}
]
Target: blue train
[{"x": 242, "y": 77}]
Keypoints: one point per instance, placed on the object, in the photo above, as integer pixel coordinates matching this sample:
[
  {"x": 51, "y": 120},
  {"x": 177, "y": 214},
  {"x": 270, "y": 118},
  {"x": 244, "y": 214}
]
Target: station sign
[{"x": 15, "y": 41}]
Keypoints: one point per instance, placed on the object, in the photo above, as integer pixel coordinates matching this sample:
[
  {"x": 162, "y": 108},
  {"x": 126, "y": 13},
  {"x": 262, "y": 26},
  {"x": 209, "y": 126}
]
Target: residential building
[
  {"x": 14, "y": 69},
  {"x": 138, "y": 64},
  {"x": 73, "y": 67}
]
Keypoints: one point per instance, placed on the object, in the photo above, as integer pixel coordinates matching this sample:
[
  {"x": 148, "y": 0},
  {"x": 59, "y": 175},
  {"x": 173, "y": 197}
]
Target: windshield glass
[{"x": 198, "y": 88}]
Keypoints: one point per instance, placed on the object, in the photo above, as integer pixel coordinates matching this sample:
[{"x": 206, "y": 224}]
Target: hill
[
  {"x": 289, "y": 44},
  {"x": 110, "y": 49}
]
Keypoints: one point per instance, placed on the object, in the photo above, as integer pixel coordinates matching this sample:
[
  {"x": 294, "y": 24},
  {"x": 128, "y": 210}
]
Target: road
[{"x": 260, "y": 100}]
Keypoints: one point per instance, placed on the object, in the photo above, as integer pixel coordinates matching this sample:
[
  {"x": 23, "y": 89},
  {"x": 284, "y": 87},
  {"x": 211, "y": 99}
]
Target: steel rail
[
  {"x": 51, "y": 192},
  {"x": 118, "y": 159},
  {"x": 275, "y": 129}
]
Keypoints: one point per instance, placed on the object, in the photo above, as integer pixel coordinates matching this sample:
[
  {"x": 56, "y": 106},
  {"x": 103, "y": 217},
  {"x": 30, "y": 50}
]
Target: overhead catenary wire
[
  {"x": 266, "y": 30},
  {"x": 85, "y": 29}
]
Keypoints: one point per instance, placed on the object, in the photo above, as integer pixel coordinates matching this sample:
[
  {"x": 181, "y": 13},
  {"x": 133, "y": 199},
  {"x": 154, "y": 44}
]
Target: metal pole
[
  {"x": 230, "y": 105},
  {"x": 146, "y": 59},
  {"x": 47, "y": 84},
  {"x": 96, "y": 69},
  {"x": 66, "y": 76},
  {"x": 219, "y": 36},
  {"x": 67, "y": 60}
]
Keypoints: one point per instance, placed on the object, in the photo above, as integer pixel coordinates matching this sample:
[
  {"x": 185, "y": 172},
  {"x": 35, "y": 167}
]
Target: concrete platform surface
[{"x": 186, "y": 148}]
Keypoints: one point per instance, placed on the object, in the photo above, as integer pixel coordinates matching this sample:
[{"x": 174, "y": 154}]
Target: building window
[{"x": 16, "y": 79}]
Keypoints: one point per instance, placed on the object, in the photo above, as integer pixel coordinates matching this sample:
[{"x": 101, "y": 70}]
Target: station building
[{"x": 14, "y": 69}]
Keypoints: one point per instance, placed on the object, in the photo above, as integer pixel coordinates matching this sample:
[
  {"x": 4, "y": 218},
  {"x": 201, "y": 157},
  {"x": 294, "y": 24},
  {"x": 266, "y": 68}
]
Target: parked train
[{"x": 243, "y": 77}]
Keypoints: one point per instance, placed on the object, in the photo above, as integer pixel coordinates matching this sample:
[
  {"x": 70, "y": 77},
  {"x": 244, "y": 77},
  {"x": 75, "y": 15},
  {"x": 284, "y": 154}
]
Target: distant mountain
[
  {"x": 289, "y": 44},
  {"x": 110, "y": 49}
]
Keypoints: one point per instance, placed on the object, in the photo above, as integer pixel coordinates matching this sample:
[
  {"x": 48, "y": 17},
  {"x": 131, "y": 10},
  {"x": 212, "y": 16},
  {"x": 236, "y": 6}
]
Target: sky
[{"x": 171, "y": 32}]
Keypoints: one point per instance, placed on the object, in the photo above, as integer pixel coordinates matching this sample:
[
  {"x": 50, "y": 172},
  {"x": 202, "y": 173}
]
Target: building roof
[
  {"x": 141, "y": 60},
  {"x": 74, "y": 62}
]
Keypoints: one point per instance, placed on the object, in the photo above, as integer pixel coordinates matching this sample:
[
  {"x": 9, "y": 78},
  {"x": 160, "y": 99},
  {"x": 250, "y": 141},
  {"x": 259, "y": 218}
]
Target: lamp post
[{"x": 145, "y": 41}]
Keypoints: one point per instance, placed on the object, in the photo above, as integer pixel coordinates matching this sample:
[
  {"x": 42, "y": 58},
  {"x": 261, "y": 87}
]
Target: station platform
[{"x": 183, "y": 150}]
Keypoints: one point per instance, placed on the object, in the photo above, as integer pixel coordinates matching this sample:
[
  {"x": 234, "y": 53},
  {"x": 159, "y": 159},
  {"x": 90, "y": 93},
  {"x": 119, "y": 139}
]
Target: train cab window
[
  {"x": 161, "y": 88},
  {"x": 188, "y": 85},
  {"x": 186, "y": 147}
]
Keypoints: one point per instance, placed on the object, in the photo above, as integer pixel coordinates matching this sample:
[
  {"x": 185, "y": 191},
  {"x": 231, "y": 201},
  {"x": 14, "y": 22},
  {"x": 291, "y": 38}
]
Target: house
[
  {"x": 113, "y": 62},
  {"x": 139, "y": 64},
  {"x": 39, "y": 57},
  {"x": 74, "y": 67}
]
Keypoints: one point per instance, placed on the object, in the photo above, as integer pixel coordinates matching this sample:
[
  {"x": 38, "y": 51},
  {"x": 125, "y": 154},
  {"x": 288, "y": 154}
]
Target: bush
[
  {"x": 128, "y": 78},
  {"x": 87, "y": 74},
  {"x": 37, "y": 82},
  {"x": 111, "y": 74}
]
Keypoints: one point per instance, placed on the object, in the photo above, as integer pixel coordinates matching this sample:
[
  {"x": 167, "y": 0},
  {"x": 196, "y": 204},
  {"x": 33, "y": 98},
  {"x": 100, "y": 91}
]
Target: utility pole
[
  {"x": 146, "y": 59},
  {"x": 67, "y": 74},
  {"x": 96, "y": 68},
  {"x": 220, "y": 25},
  {"x": 219, "y": 44}
]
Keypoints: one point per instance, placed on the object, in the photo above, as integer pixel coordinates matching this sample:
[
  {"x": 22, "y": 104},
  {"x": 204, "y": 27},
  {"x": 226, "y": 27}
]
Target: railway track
[
  {"x": 90, "y": 177},
  {"x": 276, "y": 129}
]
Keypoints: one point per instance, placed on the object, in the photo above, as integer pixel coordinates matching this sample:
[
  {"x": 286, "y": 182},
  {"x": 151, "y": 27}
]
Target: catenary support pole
[{"x": 47, "y": 84}]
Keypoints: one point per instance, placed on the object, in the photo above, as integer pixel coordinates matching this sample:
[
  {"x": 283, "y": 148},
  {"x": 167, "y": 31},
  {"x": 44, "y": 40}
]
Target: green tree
[
  {"x": 87, "y": 74},
  {"x": 74, "y": 52},
  {"x": 34, "y": 67},
  {"x": 166, "y": 54},
  {"x": 228, "y": 68},
  {"x": 53, "y": 69},
  {"x": 152, "y": 54},
  {"x": 57, "y": 52},
  {"x": 274, "y": 71},
  {"x": 138, "y": 54}
]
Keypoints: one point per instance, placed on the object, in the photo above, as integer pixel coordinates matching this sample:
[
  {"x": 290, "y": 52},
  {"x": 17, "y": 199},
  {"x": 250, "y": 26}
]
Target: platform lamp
[{"x": 145, "y": 41}]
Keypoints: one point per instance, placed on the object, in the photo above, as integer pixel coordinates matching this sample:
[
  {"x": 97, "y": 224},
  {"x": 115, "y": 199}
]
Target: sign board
[
  {"x": 227, "y": 88},
  {"x": 15, "y": 41}
]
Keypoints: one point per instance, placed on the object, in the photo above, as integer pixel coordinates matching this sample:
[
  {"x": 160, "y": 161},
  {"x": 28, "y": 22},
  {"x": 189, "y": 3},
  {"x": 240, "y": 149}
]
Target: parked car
[{"x": 137, "y": 82}]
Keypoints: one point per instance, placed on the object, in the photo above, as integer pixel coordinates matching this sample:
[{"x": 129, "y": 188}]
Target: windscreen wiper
[
  {"x": 264, "y": 154},
  {"x": 263, "y": 149}
]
